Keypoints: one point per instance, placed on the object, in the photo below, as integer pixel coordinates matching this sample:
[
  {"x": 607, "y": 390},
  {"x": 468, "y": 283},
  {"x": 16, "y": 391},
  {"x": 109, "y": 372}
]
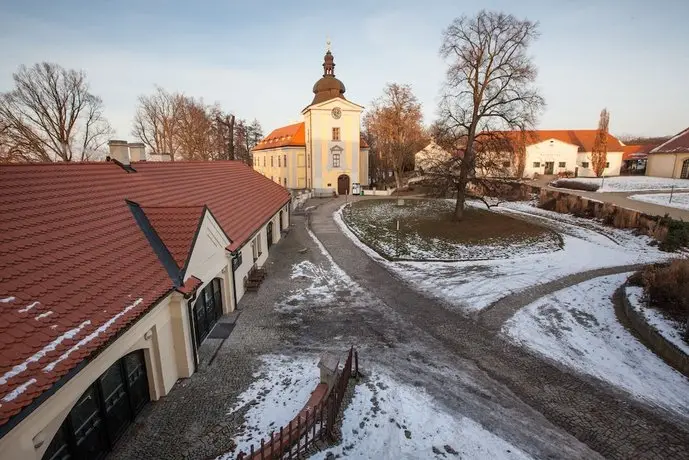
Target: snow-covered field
[
  {"x": 282, "y": 387},
  {"x": 679, "y": 200},
  {"x": 474, "y": 285},
  {"x": 390, "y": 420},
  {"x": 577, "y": 326},
  {"x": 667, "y": 327},
  {"x": 631, "y": 183}
]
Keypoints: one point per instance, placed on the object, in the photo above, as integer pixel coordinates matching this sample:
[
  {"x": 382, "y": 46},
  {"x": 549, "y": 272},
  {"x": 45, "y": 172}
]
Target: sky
[{"x": 259, "y": 59}]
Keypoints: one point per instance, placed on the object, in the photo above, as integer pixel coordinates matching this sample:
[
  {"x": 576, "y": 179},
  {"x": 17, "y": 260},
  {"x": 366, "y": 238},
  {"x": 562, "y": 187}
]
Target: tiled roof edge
[{"x": 163, "y": 253}]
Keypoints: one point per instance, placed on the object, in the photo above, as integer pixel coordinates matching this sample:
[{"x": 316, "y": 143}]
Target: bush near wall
[
  {"x": 667, "y": 287},
  {"x": 677, "y": 234},
  {"x": 575, "y": 185}
]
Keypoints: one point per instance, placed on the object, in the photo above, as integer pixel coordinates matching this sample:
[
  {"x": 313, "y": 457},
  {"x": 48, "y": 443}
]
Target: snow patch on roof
[
  {"x": 91, "y": 336},
  {"x": 19, "y": 368},
  {"x": 43, "y": 315},
  {"x": 7, "y": 300},
  {"x": 28, "y": 307},
  {"x": 17, "y": 391}
]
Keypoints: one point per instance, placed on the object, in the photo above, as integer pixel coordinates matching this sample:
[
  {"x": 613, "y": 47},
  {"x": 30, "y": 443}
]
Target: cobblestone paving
[
  {"x": 607, "y": 420},
  {"x": 535, "y": 405}
]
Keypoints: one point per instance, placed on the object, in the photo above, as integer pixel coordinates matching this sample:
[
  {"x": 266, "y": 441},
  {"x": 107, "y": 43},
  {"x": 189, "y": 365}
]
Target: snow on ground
[
  {"x": 325, "y": 284},
  {"x": 474, "y": 285},
  {"x": 281, "y": 389},
  {"x": 631, "y": 183},
  {"x": 577, "y": 326},
  {"x": 390, "y": 420},
  {"x": 679, "y": 200},
  {"x": 670, "y": 329}
]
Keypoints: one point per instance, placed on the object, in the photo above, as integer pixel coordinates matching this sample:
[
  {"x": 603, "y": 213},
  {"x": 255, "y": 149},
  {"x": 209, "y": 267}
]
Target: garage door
[{"x": 103, "y": 413}]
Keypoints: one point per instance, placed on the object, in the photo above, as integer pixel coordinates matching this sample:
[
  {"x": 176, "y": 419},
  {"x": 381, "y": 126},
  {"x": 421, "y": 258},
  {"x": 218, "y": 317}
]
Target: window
[
  {"x": 607, "y": 164},
  {"x": 272, "y": 178},
  {"x": 236, "y": 260},
  {"x": 336, "y": 134},
  {"x": 536, "y": 164},
  {"x": 271, "y": 161},
  {"x": 285, "y": 182},
  {"x": 279, "y": 162},
  {"x": 561, "y": 164},
  {"x": 284, "y": 161},
  {"x": 336, "y": 160},
  {"x": 506, "y": 164},
  {"x": 584, "y": 164},
  {"x": 264, "y": 161}
]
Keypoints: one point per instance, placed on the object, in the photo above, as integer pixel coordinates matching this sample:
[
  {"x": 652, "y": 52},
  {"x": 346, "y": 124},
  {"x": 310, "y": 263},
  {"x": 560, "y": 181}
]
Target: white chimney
[
  {"x": 119, "y": 150},
  {"x": 137, "y": 151}
]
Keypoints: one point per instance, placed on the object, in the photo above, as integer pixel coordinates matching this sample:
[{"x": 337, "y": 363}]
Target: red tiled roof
[
  {"x": 636, "y": 152},
  {"x": 583, "y": 138},
  {"x": 287, "y": 136},
  {"x": 176, "y": 226},
  {"x": 76, "y": 268},
  {"x": 679, "y": 143}
]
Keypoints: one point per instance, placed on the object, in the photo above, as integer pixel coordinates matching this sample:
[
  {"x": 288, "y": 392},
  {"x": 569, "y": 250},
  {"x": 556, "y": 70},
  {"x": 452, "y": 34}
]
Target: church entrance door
[{"x": 343, "y": 185}]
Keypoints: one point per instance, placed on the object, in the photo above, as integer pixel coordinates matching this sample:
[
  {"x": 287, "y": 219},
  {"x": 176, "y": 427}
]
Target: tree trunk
[
  {"x": 398, "y": 179},
  {"x": 230, "y": 142},
  {"x": 459, "y": 204}
]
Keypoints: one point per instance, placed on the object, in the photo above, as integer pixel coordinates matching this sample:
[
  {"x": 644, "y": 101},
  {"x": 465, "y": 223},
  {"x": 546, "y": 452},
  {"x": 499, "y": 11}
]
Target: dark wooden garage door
[
  {"x": 207, "y": 310},
  {"x": 103, "y": 413}
]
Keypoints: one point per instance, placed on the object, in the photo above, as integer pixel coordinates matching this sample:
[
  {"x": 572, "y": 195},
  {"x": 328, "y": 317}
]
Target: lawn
[
  {"x": 679, "y": 200},
  {"x": 628, "y": 183},
  {"x": 426, "y": 231}
]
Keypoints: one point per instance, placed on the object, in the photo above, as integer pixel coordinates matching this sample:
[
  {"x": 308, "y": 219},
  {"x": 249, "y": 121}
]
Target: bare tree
[
  {"x": 395, "y": 121},
  {"x": 157, "y": 121},
  {"x": 489, "y": 88},
  {"x": 195, "y": 131},
  {"x": 51, "y": 115},
  {"x": 226, "y": 130},
  {"x": 599, "y": 152}
]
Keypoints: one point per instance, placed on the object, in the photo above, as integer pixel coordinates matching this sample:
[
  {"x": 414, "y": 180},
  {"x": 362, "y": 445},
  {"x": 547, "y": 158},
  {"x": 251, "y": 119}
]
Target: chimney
[
  {"x": 137, "y": 151},
  {"x": 119, "y": 150}
]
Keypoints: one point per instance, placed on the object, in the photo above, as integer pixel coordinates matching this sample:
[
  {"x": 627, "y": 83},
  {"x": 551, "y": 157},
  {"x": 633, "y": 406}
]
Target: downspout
[
  {"x": 234, "y": 284},
  {"x": 306, "y": 169},
  {"x": 190, "y": 310}
]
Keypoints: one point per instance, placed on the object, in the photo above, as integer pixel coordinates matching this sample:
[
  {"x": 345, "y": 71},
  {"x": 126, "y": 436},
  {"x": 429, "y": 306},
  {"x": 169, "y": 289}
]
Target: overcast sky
[{"x": 260, "y": 59}]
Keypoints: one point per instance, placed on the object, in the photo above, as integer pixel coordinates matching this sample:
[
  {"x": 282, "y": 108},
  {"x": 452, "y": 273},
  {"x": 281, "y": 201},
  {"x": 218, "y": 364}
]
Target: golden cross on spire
[{"x": 327, "y": 43}]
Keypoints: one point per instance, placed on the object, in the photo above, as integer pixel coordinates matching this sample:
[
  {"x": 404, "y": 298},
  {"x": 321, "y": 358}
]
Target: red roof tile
[
  {"x": 636, "y": 152},
  {"x": 70, "y": 245},
  {"x": 287, "y": 136},
  {"x": 679, "y": 143},
  {"x": 176, "y": 226}
]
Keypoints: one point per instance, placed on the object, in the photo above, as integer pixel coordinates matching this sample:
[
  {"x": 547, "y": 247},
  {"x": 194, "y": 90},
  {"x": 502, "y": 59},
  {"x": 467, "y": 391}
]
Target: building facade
[
  {"x": 670, "y": 159},
  {"x": 113, "y": 274},
  {"x": 324, "y": 152}
]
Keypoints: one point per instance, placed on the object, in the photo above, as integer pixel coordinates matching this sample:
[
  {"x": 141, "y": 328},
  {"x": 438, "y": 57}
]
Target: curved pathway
[
  {"x": 495, "y": 315},
  {"x": 606, "y": 419}
]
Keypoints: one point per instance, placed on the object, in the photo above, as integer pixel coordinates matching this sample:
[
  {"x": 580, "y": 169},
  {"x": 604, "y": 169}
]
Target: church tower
[
  {"x": 335, "y": 158},
  {"x": 325, "y": 153}
]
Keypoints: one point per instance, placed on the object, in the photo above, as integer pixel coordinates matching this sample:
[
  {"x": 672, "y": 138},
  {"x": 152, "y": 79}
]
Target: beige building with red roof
[
  {"x": 325, "y": 151},
  {"x": 565, "y": 151},
  {"x": 111, "y": 276},
  {"x": 670, "y": 159}
]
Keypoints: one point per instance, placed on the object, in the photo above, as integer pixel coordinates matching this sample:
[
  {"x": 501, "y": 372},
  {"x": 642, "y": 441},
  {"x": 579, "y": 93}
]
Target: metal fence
[{"x": 318, "y": 424}]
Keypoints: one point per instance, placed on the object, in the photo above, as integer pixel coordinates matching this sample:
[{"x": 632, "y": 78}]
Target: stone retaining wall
[
  {"x": 660, "y": 345},
  {"x": 611, "y": 214}
]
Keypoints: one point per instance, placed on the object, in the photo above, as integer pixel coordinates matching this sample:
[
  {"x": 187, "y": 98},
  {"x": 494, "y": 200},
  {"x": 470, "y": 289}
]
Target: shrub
[
  {"x": 668, "y": 289},
  {"x": 575, "y": 185},
  {"x": 677, "y": 235}
]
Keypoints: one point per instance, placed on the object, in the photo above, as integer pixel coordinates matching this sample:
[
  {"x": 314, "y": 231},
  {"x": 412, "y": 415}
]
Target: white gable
[
  {"x": 335, "y": 102},
  {"x": 208, "y": 251}
]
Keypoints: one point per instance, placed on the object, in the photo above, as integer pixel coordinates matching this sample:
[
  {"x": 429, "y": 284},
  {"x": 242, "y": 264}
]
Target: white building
[
  {"x": 430, "y": 156},
  {"x": 560, "y": 151}
]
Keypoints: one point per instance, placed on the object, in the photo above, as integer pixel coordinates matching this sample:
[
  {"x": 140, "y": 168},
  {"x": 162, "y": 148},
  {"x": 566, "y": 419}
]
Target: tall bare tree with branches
[
  {"x": 157, "y": 121},
  {"x": 489, "y": 87},
  {"x": 395, "y": 121},
  {"x": 51, "y": 115},
  {"x": 599, "y": 152}
]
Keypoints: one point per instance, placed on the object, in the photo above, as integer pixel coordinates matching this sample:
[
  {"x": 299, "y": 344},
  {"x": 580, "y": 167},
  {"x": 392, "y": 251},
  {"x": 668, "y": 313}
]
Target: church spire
[{"x": 328, "y": 61}]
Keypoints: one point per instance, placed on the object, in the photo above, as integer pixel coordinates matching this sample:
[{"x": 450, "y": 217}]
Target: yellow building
[{"x": 325, "y": 152}]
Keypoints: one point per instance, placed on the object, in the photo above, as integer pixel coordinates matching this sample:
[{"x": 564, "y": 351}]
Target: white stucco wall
[
  {"x": 550, "y": 150},
  {"x": 614, "y": 158}
]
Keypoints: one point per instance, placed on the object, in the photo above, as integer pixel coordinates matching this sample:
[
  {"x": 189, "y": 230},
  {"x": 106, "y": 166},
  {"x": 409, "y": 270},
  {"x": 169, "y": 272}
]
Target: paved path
[{"x": 597, "y": 414}]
